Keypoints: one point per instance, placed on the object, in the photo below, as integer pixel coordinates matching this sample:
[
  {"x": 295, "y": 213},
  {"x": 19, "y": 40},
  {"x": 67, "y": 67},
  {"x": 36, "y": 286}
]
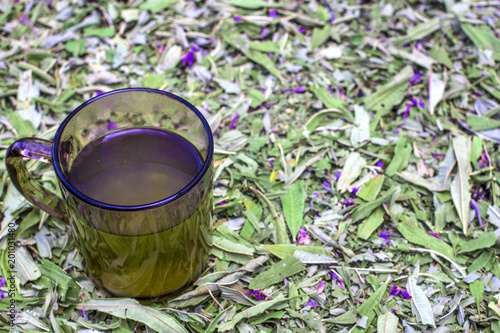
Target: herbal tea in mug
[{"x": 135, "y": 169}]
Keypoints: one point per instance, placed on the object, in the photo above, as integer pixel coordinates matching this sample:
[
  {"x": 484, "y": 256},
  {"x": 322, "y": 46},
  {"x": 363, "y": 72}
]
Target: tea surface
[{"x": 135, "y": 166}]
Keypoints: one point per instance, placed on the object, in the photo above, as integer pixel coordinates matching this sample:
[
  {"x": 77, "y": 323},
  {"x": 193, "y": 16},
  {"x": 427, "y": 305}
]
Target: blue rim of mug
[{"x": 186, "y": 189}]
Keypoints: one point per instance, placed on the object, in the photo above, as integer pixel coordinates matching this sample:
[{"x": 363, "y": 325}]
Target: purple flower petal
[
  {"x": 338, "y": 174},
  {"x": 415, "y": 79},
  {"x": 396, "y": 131},
  {"x": 303, "y": 237},
  {"x": 332, "y": 17},
  {"x": 312, "y": 303},
  {"x": 3, "y": 281},
  {"x": 329, "y": 90},
  {"x": 285, "y": 281},
  {"x": 84, "y": 315},
  {"x": 258, "y": 294},
  {"x": 2, "y": 295},
  {"x": 311, "y": 203},
  {"x": 342, "y": 95},
  {"x": 237, "y": 19},
  {"x": 478, "y": 213},
  {"x": 302, "y": 30},
  {"x": 414, "y": 101},
  {"x": 263, "y": 33},
  {"x": 355, "y": 190},
  {"x": 394, "y": 290},
  {"x": 433, "y": 234},
  {"x": 421, "y": 102},
  {"x": 284, "y": 91},
  {"x": 223, "y": 317},
  {"x": 326, "y": 186},
  {"x": 273, "y": 13},
  {"x": 188, "y": 59},
  {"x": 321, "y": 287},
  {"x": 360, "y": 94},
  {"x": 233, "y": 122},
  {"x": 384, "y": 235},
  {"x": 112, "y": 125},
  {"x": 407, "y": 111},
  {"x": 405, "y": 294},
  {"x": 299, "y": 90},
  {"x": 379, "y": 164}
]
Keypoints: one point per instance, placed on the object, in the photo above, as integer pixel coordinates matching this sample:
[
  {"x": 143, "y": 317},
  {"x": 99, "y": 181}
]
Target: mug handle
[{"x": 32, "y": 190}]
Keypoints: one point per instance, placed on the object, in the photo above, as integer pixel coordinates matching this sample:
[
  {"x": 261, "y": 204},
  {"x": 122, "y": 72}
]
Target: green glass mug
[{"x": 139, "y": 234}]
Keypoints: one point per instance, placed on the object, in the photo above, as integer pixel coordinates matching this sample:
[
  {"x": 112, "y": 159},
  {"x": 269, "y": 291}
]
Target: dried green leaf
[
  {"x": 277, "y": 272},
  {"x": 351, "y": 171},
  {"x": 371, "y": 224},
  {"x": 293, "y": 203},
  {"x": 483, "y": 241},
  {"x": 127, "y": 308},
  {"x": 391, "y": 93},
  {"x": 483, "y": 38},
  {"x": 420, "y": 303},
  {"x": 387, "y": 323},
  {"x": 460, "y": 184}
]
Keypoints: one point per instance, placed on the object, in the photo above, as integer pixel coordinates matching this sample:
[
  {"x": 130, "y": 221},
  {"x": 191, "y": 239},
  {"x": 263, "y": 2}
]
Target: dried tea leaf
[
  {"x": 460, "y": 184},
  {"x": 127, "y": 308},
  {"x": 351, "y": 171},
  {"x": 483, "y": 241},
  {"x": 387, "y": 323},
  {"x": 25, "y": 266},
  {"x": 420, "y": 303},
  {"x": 361, "y": 129},
  {"x": 371, "y": 224},
  {"x": 483, "y": 38},
  {"x": 293, "y": 203},
  {"x": 277, "y": 272},
  {"x": 391, "y": 93}
]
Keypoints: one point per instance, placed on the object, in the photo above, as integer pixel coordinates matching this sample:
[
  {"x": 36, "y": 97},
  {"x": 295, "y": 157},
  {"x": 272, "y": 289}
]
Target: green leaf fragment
[
  {"x": 391, "y": 93},
  {"x": 387, "y": 323},
  {"x": 483, "y": 241},
  {"x": 99, "y": 32},
  {"x": 156, "y": 6},
  {"x": 371, "y": 224},
  {"x": 460, "y": 193},
  {"x": 293, "y": 203},
  {"x": 477, "y": 290},
  {"x": 483, "y": 38},
  {"x": 416, "y": 235},
  {"x": 420, "y": 303},
  {"x": 351, "y": 171},
  {"x": 76, "y": 47},
  {"x": 235, "y": 39},
  {"x": 371, "y": 189},
  {"x": 370, "y": 307},
  {"x": 365, "y": 209},
  {"x": 277, "y": 272},
  {"x": 320, "y": 36},
  {"x": 286, "y": 250},
  {"x": 127, "y": 308}
]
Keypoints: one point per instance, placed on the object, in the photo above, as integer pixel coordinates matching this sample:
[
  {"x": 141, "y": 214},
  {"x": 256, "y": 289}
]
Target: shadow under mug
[{"x": 147, "y": 251}]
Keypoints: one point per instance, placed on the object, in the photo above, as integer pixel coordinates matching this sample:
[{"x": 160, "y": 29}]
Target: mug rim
[{"x": 199, "y": 176}]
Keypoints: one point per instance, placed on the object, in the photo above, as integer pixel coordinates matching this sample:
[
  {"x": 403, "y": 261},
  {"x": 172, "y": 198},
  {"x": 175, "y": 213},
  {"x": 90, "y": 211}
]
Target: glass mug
[{"x": 139, "y": 236}]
